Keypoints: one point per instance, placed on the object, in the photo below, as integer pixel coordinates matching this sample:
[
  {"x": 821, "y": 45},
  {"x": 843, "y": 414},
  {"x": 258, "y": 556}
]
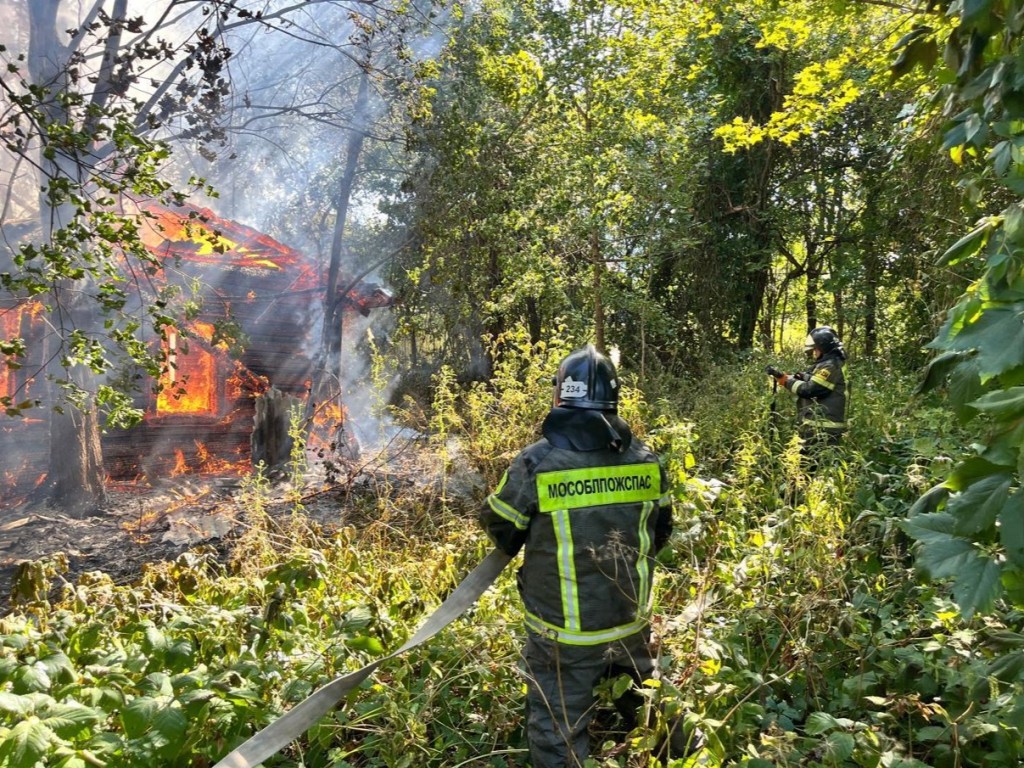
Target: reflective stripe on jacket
[
  {"x": 591, "y": 522},
  {"x": 821, "y": 403}
]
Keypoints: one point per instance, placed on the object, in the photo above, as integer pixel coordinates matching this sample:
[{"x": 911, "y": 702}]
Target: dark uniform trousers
[{"x": 560, "y": 699}]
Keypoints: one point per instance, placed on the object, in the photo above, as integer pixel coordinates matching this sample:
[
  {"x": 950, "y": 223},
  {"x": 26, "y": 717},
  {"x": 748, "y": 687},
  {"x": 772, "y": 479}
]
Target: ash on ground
[{"x": 142, "y": 523}]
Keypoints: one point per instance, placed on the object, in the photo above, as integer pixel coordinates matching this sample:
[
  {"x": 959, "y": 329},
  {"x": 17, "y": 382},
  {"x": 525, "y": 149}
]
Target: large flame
[
  {"x": 12, "y": 326},
  {"x": 189, "y": 385},
  {"x": 200, "y": 236}
]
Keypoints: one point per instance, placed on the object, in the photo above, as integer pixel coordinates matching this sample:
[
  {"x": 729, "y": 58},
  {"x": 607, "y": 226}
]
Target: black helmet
[
  {"x": 587, "y": 379},
  {"x": 823, "y": 338}
]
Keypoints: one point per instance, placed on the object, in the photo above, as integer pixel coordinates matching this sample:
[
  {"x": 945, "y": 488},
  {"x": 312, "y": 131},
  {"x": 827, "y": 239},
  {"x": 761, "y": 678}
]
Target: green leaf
[
  {"x": 58, "y": 667},
  {"x": 169, "y": 727},
  {"x": 998, "y": 336},
  {"x": 26, "y": 744},
  {"x": 1008, "y": 668},
  {"x": 937, "y": 526},
  {"x": 977, "y": 585},
  {"x": 67, "y": 720},
  {"x": 970, "y": 471},
  {"x": 622, "y": 684},
  {"x": 1013, "y": 224},
  {"x": 1000, "y": 156},
  {"x": 366, "y": 643},
  {"x": 1013, "y": 583},
  {"x": 154, "y": 640},
  {"x": 819, "y": 723},
  {"x": 14, "y": 704},
  {"x": 137, "y": 717},
  {"x": 938, "y": 370},
  {"x": 913, "y": 34},
  {"x": 1011, "y": 528},
  {"x": 976, "y": 509},
  {"x": 973, "y": 10},
  {"x": 28, "y": 678},
  {"x": 962, "y": 314},
  {"x": 1003, "y": 445},
  {"x": 840, "y": 746},
  {"x": 928, "y": 502},
  {"x": 1003, "y": 404},
  {"x": 955, "y": 137},
  {"x": 965, "y": 387},
  {"x": 946, "y": 556},
  {"x": 932, "y": 733},
  {"x": 973, "y": 241}
]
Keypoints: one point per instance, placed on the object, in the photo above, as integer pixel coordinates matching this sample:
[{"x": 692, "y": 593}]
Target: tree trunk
[
  {"x": 533, "y": 322},
  {"x": 837, "y": 303},
  {"x": 328, "y": 375},
  {"x": 752, "y": 303},
  {"x": 75, "y": 475},
  {"x": 811, "y": 299},
  {"x": 871, "y": 270},
  {"x": 598, "y": 267}
]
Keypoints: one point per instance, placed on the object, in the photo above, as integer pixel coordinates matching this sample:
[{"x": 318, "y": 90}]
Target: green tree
[
  {"x": 74, "y": 123},
  {"x": 549, "y": 163}
]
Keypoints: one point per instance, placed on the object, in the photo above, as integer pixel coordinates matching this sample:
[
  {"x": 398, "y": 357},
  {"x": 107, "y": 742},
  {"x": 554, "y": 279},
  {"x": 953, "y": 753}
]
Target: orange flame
[
  {"x": 213, "y": 464},
  {"x": 328, "y": 422},
  {"x": 206, "y": 238},
  {"x": 11, "y": 327},
  {"x": 180, "y": 466},
  {"x": 189, "y": 385}
]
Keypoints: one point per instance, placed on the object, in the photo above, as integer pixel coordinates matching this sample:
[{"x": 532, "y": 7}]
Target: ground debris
[{"x": 142, "y": 523}]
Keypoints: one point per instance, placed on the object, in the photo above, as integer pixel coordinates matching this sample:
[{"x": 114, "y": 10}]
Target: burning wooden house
[{"x": 202, "y": 418}]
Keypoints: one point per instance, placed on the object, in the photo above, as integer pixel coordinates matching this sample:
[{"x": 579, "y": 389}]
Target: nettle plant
[{"x": 182, "y": 667}]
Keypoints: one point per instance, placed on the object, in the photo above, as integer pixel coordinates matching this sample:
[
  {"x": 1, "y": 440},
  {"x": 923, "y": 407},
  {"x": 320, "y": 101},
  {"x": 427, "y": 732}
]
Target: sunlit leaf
[
  {"x": 967, "y": 245},
  {"x": 26, "y": 744},
  {"x": 138, "y": 715},
  {"x": 819, "y": 723}
]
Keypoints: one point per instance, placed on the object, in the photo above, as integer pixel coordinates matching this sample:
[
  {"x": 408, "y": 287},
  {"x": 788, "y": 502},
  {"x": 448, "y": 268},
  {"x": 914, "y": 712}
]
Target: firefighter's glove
[{"x": 776, "y": 374}]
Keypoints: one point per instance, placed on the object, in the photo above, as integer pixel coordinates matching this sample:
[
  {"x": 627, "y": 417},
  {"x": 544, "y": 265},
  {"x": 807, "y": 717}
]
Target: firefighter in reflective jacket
[
  {"x": 590, "y": 506},
  {"x": 821, "y": 390}
]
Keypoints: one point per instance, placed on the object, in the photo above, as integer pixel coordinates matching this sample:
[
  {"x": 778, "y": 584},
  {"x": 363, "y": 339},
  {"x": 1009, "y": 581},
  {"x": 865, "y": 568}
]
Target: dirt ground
[
  {"x": 142, "y": 523},
  {"x": 137, "y": 524}
]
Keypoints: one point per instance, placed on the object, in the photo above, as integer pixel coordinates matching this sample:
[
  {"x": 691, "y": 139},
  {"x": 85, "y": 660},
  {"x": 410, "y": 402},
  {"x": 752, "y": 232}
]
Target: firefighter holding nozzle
[{"x": 820, "y": 390}]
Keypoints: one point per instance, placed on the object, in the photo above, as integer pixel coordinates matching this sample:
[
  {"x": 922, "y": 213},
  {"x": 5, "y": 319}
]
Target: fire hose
[{"x": 307, "y": 712}]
